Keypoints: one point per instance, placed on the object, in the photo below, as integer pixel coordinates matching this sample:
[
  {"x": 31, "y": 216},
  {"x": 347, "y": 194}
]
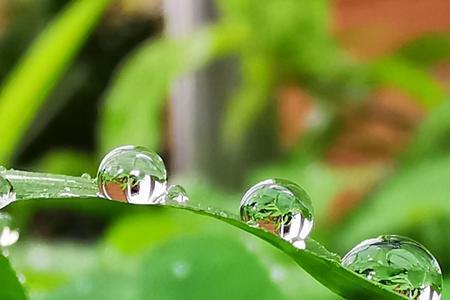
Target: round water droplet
[
  {"x": 223, "y": 214},
  {"x": 7, "y": 194},
  {"x": 400, "y": 264},
  {"x": 176, "y": 194},
  {"x": 9, "y": 234},
  {"x": 22, "y": 278},
  {"x": 132, "y": 174},
  {"x": 86, "y": 176},
  {"x": 279, "y": 206}
]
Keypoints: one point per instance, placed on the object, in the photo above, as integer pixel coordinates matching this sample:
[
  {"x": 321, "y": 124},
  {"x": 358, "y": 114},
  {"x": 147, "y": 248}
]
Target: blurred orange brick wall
[{"x": 374, "y": 27}]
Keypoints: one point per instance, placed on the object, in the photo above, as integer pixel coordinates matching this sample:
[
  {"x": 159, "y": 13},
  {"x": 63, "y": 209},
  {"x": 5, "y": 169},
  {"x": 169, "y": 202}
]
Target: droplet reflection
[
  {"x": 281, "y": 207},
  {"x": 176, "y": 194},
  {"x": 9, "y": 234},
  {"x": 400, "y": 264},
  {"x": 132, "y": 174},
  {"x": 7, "y": 193}
]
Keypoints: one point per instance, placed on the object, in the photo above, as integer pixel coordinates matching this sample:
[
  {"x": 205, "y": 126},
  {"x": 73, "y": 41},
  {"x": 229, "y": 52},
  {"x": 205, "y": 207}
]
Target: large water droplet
[
  {"x": 132, "y": 174},
  {"x": 281, "y": 207},
  {"x": 7, "y": 194},
  {"x": 176, "y": 194},
  {"x": 9, "y": 234},
  {"x": 400, "y": 264}
]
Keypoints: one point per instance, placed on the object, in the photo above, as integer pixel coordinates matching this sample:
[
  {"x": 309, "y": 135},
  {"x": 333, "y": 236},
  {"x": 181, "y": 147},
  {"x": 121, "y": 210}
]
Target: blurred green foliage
[
  {"x": 276, "y": 43},
  {"x": 25, "y": 91}
]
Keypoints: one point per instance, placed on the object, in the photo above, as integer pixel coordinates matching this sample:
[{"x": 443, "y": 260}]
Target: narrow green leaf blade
[
  {"x": 315, "y": 259},
  {"x": 11, "y": 287},
  {"x": 26, "y": 89}
]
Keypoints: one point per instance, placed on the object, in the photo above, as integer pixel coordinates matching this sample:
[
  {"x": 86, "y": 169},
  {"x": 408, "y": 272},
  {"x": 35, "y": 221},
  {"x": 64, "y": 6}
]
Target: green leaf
[
  {"x": 58, "y": 263},
  {"x": 66, "y": 162},
  {"x": 27, "y": 87},
  {"x": 101, "y": 285},
  {"x": 397, "y": 72},
  {"x": 427, "y": 50},
  {"x": 431, "y": 139},
  {"x": 315, "y": 259},
  {"x": 446, "y": 293},
  {"x": 132, "y": 112},
  {"x": 11, "y": 287},
  {"x": 415, "y": 194},
  {"x": 138, "y": 232},
  {"x": 251, "y": 101},
  {"x": 179, "y": 269}
]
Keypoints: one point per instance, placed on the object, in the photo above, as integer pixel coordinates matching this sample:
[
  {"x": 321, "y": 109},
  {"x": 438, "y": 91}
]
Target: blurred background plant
[{"x": 346, "y": 98}]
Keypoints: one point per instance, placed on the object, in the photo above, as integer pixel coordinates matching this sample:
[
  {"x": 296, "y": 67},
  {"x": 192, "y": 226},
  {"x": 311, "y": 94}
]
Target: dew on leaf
[
  {"x": 281, "y": 207},
  {"x": 176, "y": 194},
  {"x": 399, "y": 264},
  {"x": 9, "y": 233},
  {"x": 86, "y": 176},
  {"x": 22, "y": 278},
  {"x": 132, "y": 174},
  {"x": 180, "y": 269},
  {"x": 7, "y": 193}
]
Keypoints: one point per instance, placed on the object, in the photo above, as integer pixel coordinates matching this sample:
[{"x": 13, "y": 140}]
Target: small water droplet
[
  {"x": 277, "y": 273},
  {"x": 398, "y": 263},
  {"x": 180, "y": 269},
  {"x": 132, "y": 174},
  {"x": 223, "y": 214},
  {"x": 176, "y": 194},
  {"x": 7, "y": 194},
  {"x": 22, "y": 278},
  {"x": 86, "y": 176},
  {"x": 281, "y": 207},
  {"x": 9, "y": 234}
]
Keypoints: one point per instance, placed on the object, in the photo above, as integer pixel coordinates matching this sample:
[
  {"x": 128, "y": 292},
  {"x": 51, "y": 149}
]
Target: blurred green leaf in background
[
  {"x": 352, "y": 97},
  {"x": 29, "y": 84}
]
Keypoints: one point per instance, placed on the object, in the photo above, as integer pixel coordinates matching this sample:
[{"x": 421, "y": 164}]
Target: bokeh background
[{"x": 347, "y": 98}]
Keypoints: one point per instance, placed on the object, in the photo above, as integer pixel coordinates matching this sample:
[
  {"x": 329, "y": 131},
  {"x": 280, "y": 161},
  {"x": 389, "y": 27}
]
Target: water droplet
[
  {"x": 281, "y": 207},
  {"x": 132, "y": 174},
  {"x": 400, "y": 264},
  {"x": 278, "y": 273},
  {"x": 86, "y": 176},
  {"x": 9, "y": 234},
  {"x": 22, "y": 278},
  {"x": 176, "y": 194},
  {"x": 7, "y": 194},
  {"x": 223, "y": 214},
  {"x": 180, "y": 269}
]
